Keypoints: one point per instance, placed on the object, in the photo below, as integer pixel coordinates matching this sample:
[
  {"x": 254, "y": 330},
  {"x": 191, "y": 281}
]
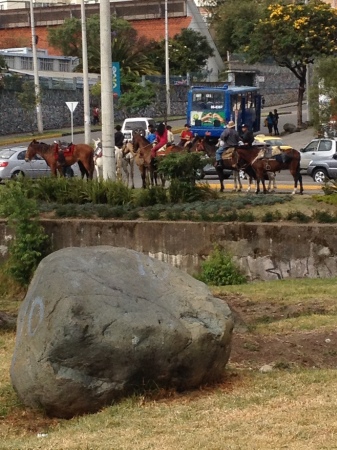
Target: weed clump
[{"x": 220, "y": 270}]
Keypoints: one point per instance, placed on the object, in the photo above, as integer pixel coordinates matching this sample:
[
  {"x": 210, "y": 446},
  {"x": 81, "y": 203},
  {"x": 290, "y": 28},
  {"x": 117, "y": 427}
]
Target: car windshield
[
  {"x": 135, "y": 125},
  {"x": 6, "y": 153},
  {"x": 274, "y": 141}
]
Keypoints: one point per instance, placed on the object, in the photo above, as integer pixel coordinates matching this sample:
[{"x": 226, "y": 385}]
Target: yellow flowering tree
[{"x": 295, "y": 35}]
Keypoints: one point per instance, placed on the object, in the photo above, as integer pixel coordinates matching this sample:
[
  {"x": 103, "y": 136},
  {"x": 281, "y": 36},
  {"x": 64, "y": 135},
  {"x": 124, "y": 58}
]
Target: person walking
[{"x": 276, "y": 117}]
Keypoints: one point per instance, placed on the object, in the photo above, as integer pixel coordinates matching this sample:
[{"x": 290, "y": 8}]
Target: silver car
[
  {"x": 323, "y": 169},
  {"x": 13, "y": 164}
]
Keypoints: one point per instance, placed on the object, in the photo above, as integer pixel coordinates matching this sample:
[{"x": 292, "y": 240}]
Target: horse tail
[{"x": 82, "y": 169}]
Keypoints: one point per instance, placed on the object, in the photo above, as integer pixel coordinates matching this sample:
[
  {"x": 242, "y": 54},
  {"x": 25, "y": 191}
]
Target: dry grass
[{"x": 293, "y": 409}]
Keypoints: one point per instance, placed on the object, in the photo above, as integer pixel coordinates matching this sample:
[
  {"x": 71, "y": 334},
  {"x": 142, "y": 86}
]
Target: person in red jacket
[
  {"x": 186, "y": 136},
  {"x": 161, "y": 139}
]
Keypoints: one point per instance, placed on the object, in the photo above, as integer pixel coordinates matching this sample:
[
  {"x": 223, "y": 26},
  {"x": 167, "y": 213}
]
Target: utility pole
[
  {"x": 167, "y": 65},
  {"x": 36, "y": 71},
  {"x": 307, "y": 82},
  {"x": 86, "y": 102},
  {"x": 108, "y": 138}
]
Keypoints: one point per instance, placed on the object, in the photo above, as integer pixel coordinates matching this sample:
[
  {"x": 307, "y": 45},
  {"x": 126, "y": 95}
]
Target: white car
[
  {"x": 136, "y": 123},
  {"x": 13, "y": 164}
]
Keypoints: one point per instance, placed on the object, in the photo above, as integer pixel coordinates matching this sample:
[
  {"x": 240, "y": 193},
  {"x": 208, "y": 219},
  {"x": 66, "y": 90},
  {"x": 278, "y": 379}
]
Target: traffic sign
[{"x": 72, "y": 106}]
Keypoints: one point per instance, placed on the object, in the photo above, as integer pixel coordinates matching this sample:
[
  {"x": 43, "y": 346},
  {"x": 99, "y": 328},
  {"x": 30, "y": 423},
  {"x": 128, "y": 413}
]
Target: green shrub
[
  {"x": 220, "y": 270},
  {"x": 325, "y": 217},
  {"x": 182, "y": 166},
  {"x": 298, "y": 216},
  {"x": 150, "y": 197},
  {"x": 183, "y": 192},
  {"x": 272, "y": 216},
  {"x": 30, "y": 243},
  {"x": 152, "y": 214}
]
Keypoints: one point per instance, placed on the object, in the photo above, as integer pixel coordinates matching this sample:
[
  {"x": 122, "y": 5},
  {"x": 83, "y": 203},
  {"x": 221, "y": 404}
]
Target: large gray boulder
[{"x": 99, "y": 323}]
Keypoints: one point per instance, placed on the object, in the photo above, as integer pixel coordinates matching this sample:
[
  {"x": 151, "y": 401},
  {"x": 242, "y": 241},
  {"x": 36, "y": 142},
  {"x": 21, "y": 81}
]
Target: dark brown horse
[
  {"x": 228, "y": 163},
  {"x": 287, "y": 160},
  {"x": 83, "y": 154}
]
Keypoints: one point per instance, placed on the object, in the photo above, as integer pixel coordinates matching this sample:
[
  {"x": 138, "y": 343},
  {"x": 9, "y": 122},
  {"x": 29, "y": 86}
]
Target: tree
[
  {"x": 28, "y": 101},
  {"x": 323, "y": 94},
  {"x": 294, "y": 35},
  {"x": 127, "y": 48},
  {"x": 188, "y": 52},
  {"x": 234, "y": 22}
]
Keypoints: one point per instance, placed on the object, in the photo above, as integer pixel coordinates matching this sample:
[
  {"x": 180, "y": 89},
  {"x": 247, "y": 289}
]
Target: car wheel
[
  {"x": 320, "y": 175},
  {"x": 242, "y": 175},
  {"x": 17, "y": 174}
]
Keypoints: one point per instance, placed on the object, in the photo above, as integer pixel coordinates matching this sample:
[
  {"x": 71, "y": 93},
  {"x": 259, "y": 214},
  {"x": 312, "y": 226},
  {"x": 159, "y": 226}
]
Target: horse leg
[
  {"x": 271, "y": 182},
  {"x": 221, "y": 177},
  {"x": 132, "y": 174},
  {"x": 143, "y": 174}
]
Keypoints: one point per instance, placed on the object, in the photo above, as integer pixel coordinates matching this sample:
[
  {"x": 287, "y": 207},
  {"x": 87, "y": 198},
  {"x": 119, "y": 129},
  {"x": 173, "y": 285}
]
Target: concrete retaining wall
[{"x": 264, "y": 251}]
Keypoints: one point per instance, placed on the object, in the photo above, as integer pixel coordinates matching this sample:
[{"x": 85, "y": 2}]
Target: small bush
[
  {"x": 325, "y": 217},
  {"x": 246, "y": 216},
  {"x": 272, "y": 216},
  {"x": 30, "y": 243},
  {"x": 298, "y": 216},
  {"x": 150, "y": 197},
  {"x": 220, "y": 270},
  {"x": 152, "y": 214}
]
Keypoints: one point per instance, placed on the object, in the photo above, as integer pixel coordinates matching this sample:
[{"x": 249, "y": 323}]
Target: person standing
[
  {"x": 95, "y": 114},
  {"x": 170, "y": 136},
  {"x": 230, "y": 138},
  {"x": 119, "y": 137},
  {"x": 270, "y": 122},
  {"x": 276, "y": 117}
]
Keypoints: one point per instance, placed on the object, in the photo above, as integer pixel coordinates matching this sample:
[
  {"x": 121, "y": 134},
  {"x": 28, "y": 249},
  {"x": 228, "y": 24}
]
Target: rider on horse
[
  {"x": 161, "y": 139},
  {"x": 230, "y": 138}
]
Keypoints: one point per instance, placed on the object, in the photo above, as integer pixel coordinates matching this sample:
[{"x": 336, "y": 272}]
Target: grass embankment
[{"x": 293, "y": 406}]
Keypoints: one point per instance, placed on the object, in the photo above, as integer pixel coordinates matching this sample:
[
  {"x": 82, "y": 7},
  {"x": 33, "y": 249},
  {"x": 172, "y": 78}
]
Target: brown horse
[
  {"x": 83, "y": 154},
  {"x": 228, "y": 163},
  {"x": 147, "y": 166},
  {"x": 287, "y": 160}
]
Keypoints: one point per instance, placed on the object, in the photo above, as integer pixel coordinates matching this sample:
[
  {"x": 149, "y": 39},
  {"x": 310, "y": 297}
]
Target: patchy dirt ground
[{"x": 253, "y": 349}]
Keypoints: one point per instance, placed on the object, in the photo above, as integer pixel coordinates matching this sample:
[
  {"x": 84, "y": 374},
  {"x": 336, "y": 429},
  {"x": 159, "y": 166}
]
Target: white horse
[{"x": 124, "y": 163}]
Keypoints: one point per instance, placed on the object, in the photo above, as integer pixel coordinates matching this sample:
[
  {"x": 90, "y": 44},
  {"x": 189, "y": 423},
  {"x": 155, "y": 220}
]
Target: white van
[{"x": 136, "y": 123}]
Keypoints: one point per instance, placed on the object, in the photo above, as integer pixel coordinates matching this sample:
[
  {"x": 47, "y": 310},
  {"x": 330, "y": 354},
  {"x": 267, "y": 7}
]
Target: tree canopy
[
  {"x": 127, "y": 48},
  {"x": 188, "y": 52},
  {"x": 294, "y": 35}
]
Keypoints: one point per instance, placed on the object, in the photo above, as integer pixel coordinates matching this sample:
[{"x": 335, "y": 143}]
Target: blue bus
[{"x": 210, "y": 108}]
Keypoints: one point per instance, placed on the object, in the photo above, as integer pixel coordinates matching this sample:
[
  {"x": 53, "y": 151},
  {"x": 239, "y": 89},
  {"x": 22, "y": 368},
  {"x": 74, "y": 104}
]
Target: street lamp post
[
  {"x": 86, "y": 102},
  {"x": 108, "y": 138},
  {"x": 36, "y": 71},
  {"x": 167, "y": 65}
]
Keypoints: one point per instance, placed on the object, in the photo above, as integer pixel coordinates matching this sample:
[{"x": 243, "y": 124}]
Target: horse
[
  {"x": 124, "y": 163},
  {"x": 81, "y": 153},
  {"x": 286, "y": 160},
  {"x": 227, "y": 163}
]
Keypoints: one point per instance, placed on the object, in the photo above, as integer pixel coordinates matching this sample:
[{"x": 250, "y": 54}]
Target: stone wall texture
[
  {"x": 263, "y": 251},
  {"x": 280, "y": 86}
]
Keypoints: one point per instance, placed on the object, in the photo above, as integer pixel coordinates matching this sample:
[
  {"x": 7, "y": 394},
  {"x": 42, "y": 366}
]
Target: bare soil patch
[{"x": 299, "y": 349}]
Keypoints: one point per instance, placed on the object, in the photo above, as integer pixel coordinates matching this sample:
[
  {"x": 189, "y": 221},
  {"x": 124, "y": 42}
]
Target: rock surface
[
  {"x": 99, "y": 323},
  {"x": 290, "y": 128}
]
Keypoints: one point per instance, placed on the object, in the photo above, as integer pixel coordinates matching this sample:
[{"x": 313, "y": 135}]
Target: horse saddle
[
  {"x": 228, "y": 153},
  {"x": 62, "y": 150}
]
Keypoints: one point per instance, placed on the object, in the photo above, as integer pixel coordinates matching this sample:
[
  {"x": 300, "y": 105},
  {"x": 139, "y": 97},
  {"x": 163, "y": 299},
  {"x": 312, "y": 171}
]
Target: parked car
[
  {"x": 13, "y": 164},
  {"x": 317, "y": 149},
  {"x": 323, "y": 169},
  {"x": 136, "y": 123}
]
